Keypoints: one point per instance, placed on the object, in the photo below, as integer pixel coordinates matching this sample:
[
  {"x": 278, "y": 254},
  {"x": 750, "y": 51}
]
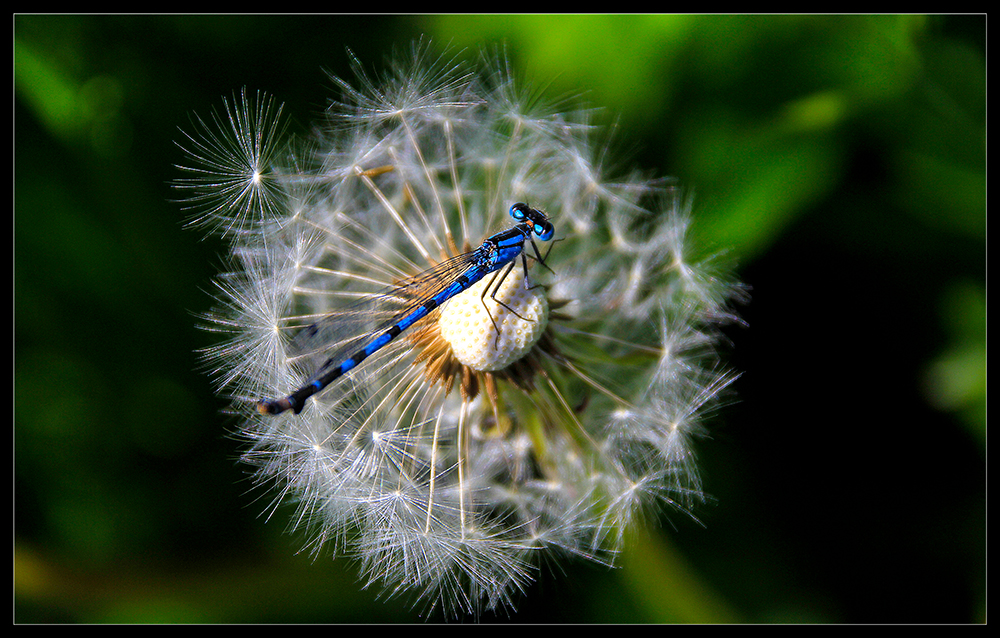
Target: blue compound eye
[
  {"x": 544, "y": 232},
  {"x": 517, "y": 211}
]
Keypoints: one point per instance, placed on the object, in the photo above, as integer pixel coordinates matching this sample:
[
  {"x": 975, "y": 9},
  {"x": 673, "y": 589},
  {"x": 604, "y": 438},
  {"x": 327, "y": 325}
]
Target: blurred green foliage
[{"x": 839, "y": 163}]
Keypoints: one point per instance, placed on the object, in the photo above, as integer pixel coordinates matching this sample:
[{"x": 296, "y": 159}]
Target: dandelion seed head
[{"x": 530, "y": 417}]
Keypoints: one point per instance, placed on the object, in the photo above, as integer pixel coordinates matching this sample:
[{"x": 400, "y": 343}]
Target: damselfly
[{"x": 438, "y": 285}]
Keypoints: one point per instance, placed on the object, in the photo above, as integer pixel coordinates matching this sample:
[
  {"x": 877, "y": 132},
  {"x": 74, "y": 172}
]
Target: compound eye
[
  {"x": 517, "y": 211},
  {"x": 544, "y": 232}
]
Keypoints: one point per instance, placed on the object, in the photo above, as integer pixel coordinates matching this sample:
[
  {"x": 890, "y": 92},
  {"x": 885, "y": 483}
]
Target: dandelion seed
[
  {"x": 232, "y": 185},
  {"x": 537, "y": 413}
]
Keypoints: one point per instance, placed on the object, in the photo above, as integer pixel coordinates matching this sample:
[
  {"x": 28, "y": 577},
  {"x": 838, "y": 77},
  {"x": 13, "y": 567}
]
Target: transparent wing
[{"x": 343, "y": 332}]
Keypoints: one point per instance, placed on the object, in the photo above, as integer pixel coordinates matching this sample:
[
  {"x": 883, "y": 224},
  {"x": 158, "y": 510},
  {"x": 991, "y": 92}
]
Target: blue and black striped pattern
[{"x": 497, "y": 251}]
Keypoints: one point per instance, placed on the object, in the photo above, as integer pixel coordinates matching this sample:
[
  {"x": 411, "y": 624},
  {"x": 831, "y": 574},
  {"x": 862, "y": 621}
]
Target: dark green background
[{"x": 841, "y": 160}]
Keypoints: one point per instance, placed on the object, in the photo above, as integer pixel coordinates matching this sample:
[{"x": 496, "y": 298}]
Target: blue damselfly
[{"x": 437, "y": 285}]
